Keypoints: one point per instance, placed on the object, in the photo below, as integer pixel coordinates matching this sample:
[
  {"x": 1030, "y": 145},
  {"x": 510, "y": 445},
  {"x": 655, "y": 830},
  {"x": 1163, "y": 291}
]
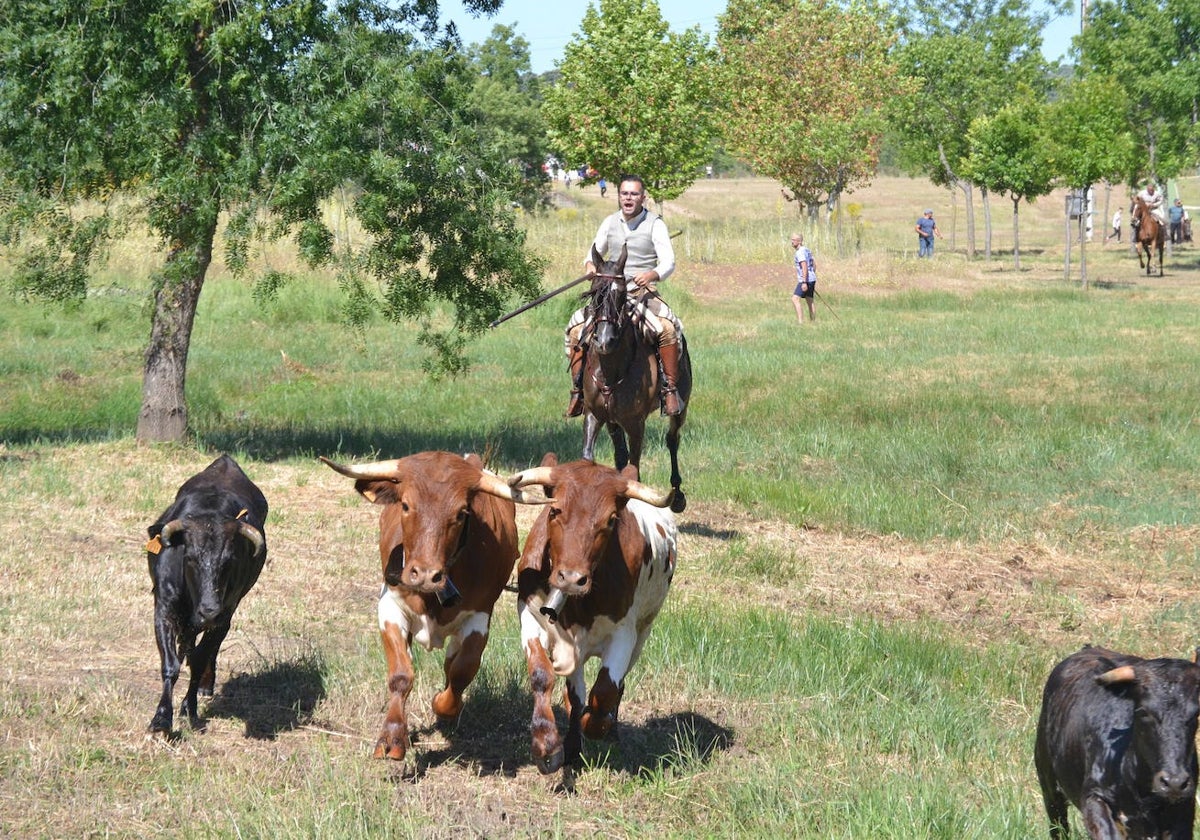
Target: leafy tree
[
  {"x": 633, "y": 97},
  {"x": 805, "y": 82},
  {"x": 1089, "y": 135},
  {"x": 1152, "y": 47},
  {"x": 965, "y": 59},
  {"x": 259, "y": 110},
  {"x": 1009, "y": 154},
  {"x": 506, "y": 101}
]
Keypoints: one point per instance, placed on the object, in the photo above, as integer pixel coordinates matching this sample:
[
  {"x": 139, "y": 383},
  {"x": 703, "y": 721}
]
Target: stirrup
[{"x": 670, "y": 395}]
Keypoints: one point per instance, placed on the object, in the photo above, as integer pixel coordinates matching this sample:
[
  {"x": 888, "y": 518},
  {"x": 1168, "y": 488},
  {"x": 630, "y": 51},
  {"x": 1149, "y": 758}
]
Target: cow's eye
[
  {"x": 463, "y": 514},
  {"x": 404, "y": 506},
  {"x": 612, "y": 519}
]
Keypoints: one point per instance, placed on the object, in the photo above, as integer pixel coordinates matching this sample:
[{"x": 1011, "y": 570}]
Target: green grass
[{"x": 935, "y": 412}]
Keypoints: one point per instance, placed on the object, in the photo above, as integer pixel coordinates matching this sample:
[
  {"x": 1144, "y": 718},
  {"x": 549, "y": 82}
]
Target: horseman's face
[{"x": 632, "y": 197}]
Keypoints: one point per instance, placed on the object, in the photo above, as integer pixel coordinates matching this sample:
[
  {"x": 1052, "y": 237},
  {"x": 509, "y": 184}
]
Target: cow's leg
[
  {"x": 168, "y": 654},
  {"x": 202, "y": 664},
  {"x": 679, "y": 502},
  {"x": 1098, "y": 820},
  {"x": 461, "y": 666},
  {"x": 573, "y": 744},
  {"x": 600, "y": 715},
  {"x": 393, "y": 739},
  {"x": 546, "y": 746},
  {"x": 1056, "y": 811},
  {"x": 601, "y": 712}
]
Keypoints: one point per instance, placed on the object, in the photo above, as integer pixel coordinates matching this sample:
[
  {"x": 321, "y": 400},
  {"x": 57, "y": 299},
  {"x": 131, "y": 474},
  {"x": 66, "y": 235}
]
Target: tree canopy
[
  {"x": 1152, "y": 49},
  {"x": 634, "y": 98},
  {"x": 804, "y": 82},
  {"x": 256, "y": 112},
  {"x": 1010, "y": 155}
]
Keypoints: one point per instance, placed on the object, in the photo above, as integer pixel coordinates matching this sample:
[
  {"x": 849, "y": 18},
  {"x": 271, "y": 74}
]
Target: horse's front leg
[
  {"x": 679, "y": 502},
  {"x": 621, "y": 450},
  {"x": 591, "y": 428}
]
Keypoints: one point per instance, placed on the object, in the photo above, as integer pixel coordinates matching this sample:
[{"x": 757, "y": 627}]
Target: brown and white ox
[
  {"x": 448, "y": 542},
  {"x": 595, "y": 571}
]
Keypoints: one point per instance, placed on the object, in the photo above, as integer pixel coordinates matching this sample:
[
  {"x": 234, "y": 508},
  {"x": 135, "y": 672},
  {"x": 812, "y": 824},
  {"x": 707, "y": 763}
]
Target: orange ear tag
[{"x": 154, "y": 546}]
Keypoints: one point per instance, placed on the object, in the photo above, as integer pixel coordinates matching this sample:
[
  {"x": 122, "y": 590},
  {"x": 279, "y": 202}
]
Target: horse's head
[{"x": 607, "y": 301}]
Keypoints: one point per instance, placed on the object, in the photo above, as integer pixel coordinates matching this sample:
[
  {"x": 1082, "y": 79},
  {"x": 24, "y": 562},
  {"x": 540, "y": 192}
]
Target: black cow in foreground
[
  {"x": 204, "y": 553},
  {"x": 1117, "y": 737}
]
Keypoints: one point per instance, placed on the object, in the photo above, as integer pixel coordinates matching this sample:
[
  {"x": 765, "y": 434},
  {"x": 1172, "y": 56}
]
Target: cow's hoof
[
  {"x": 597, "y": 725},
  {"x": 548, "y": 764},
  {"x": 159, "y": 732}
]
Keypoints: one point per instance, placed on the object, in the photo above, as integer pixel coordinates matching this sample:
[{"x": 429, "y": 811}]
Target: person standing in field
[
  {"x": 1116, "y": 227},
  {"x": 651, "y": 259},
  {"x": 926, "y": 230},
  {"x": 806, "y": 279},
  {"x": 1175, "y": 215}
]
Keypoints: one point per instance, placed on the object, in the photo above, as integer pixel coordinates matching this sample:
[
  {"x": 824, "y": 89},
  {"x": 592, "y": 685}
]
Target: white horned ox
[
  {"x": 594, "y": 574},
  {"x": 448, "y": 542}
]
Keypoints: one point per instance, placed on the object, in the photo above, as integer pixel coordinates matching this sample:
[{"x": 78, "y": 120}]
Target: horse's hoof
[{"x": 679, "y": 503}]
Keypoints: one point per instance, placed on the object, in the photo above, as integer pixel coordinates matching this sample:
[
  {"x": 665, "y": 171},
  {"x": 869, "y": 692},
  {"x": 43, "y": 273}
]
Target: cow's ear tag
[{"x": 154, "y": 546}]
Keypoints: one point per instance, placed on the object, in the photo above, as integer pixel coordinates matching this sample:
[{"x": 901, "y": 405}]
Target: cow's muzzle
[{"x": 1174, "y": 787}]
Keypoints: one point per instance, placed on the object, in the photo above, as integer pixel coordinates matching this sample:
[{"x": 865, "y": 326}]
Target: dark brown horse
[
  {"x": 1150, "y": 234},
  {"x": 621, "y": 375}
]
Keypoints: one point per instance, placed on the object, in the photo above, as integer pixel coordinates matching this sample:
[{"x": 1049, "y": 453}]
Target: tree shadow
[{"x": 276, "y": 700}]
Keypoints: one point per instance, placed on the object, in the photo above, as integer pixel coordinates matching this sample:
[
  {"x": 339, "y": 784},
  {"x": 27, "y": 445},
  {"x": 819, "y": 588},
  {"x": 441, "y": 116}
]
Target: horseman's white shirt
[{"x": 647, "y": 240}]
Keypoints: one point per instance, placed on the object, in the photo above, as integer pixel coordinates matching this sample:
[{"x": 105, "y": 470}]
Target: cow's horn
[
  {"x": 380, "y": 470},
  {"x": 170, "y": 529},
  {"x": 255, "y": 537},
  {"x": 647, "y": 494},
  {"x": 1122, "y": 674},
  {"x": 492, "y": 483},
  {"x": 536, "y": 475}
]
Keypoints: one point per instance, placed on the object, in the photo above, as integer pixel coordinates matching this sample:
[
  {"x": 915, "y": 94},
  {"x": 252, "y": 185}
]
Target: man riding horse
[
  {"x": 1153, "y": 200},
  {"x": 650, "y": 259}
]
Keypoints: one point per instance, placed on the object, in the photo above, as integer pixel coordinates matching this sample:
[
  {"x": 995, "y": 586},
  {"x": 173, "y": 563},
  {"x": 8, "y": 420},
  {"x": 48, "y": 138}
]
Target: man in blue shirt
[
  {"x": 806, "y": 278},
  {"x": 926, "y": 231},
  {"x": 1175, "y": 216}
]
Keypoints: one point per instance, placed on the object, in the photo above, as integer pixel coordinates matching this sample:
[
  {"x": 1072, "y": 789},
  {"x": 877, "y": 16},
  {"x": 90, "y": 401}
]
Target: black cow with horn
[
  {"x": 1117, "y": 738},
  {"x": 205, "y": 553}
]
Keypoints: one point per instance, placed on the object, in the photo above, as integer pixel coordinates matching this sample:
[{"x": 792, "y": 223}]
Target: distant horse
[
  {"x": 621, "y": 376},
  {"x": 1150, "y": 234}
]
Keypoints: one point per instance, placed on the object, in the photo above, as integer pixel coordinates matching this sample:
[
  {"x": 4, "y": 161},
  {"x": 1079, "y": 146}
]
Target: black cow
[
  {"x": 1117, "y": 737},
  {"x": 204, "y": 553}
]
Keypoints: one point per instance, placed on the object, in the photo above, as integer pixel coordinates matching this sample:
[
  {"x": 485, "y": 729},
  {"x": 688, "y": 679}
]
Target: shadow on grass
[
  {"x": 491, "y": 738},
  {"x": 523, "y": 446},
  {"x": 276, "y": 700}
]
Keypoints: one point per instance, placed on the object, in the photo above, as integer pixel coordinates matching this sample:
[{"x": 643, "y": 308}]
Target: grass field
[{"x": 900, "y": 517}]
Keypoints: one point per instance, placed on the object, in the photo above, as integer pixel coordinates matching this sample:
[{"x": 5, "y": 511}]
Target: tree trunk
[
  {"x": 987, "y": 223},
  {"x": 1016, "y": 200},
  {"x": 968, "y": 197},
  {"x": 163, "y": 417}
]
